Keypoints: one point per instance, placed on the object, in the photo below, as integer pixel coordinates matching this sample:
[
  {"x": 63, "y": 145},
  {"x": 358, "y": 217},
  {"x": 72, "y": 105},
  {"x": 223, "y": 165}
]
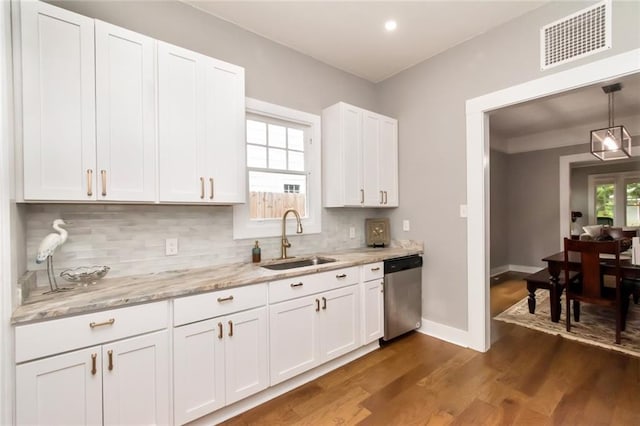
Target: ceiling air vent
[{"x": 581, "y": 34}]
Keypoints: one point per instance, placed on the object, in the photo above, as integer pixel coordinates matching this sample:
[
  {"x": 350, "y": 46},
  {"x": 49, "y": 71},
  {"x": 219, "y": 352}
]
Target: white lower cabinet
[
  {"x": 218, "y": 362},
  {"x": 311, "y": 330},
  {"x": 60, "y": 390},
  {"x": 125, "y": 382},
  {"x": 135, "y": 380},
  {"x": 372, "y": 302}
]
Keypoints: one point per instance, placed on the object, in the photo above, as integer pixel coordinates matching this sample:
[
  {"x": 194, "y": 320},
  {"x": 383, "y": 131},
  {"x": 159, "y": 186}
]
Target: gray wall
[
  {"x": 534, "y": 204},
  {"x": 274, "y": 73},
  {"x": 429, "y": 102},
  {"x": 499, "y": 209},
  {"x": 580, "y": 184}
]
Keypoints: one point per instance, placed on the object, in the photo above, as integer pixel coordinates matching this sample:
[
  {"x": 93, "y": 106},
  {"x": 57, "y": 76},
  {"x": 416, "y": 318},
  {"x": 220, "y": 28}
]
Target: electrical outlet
[
  {"x": 406, "y": 226},
  {"x": 171, "y": 246},
  {"x": 352, "y": 232}
]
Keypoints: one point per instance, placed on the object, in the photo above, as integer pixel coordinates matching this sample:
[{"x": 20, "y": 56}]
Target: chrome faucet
[{"x": 285, "y": 242}]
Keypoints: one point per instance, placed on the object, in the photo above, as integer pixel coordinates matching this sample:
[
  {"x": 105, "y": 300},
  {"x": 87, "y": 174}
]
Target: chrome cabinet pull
[
  {"x": 219, "y": 330},
  {"x": 103, "y": 174},
  {"x": 110, "y": 353},
  {"x": 294, "y": 285},
  {"x": 93, "y": 364},
  {"x": 89, "y": 182},
  {"x": 324, "y": 303},
  {"x": 317, "y": 305},
  {"x": 225, "y": 299},
  {"x": 211, "y": 185},
  {"x": 340, "y": 276},
  {"x": 385, "y": 197},
  {"x": 201, "y": 188},
  {"x": 381, "y": 197},
  {"x": 230, "y": 328},
  {"x": 110, "y": 321},
  {"x": 377, "y": 268},
  {"x": 362, "y": 196}
]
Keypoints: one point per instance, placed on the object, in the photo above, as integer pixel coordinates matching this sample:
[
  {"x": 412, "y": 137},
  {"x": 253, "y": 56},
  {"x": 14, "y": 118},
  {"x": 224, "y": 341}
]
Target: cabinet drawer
[
  {"x": 60, "y": 335},
  {"x": 373, "y": 271},
  {"x": 222, "y": 302},
  {"x": 291, "y": 288}
]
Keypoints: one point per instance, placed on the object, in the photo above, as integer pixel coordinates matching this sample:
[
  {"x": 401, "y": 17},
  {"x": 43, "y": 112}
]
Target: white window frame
[
  {"x": 620, "y": 196},
  {"x": 243, "y": 227}
]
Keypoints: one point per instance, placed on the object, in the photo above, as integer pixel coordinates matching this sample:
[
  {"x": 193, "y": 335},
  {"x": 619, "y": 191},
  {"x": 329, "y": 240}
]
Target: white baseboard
[
  {"x": 498, "y": 270},
  {"x": 281, "y": 388},
  {"x": 445, "y": 332},
  {"x": 514, "y": 268},
  {"x": 525, "y": 269}
]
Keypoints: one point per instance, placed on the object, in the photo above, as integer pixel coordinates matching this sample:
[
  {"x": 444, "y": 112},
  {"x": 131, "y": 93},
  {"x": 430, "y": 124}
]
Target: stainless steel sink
[{"x": 298, "y": 263}]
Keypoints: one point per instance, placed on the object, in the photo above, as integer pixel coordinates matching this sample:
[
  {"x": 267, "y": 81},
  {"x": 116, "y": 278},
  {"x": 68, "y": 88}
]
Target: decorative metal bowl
[{"x": 85, "y": 275}]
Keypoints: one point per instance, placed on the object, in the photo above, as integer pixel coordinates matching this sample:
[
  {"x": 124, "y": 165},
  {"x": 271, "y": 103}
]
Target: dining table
[{"x": 555, "y": 266}]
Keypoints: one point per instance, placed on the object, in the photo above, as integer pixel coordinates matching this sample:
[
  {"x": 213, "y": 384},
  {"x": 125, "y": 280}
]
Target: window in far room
[{"x": 615, "y": 197}]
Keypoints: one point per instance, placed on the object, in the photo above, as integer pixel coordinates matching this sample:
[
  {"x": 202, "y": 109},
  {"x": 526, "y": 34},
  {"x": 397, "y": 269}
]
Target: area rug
[{"x": 596, "y": 327}]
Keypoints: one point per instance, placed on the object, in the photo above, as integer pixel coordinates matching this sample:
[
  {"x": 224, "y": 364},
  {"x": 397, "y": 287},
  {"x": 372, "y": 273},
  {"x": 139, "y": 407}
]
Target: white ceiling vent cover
[{"x": 581, "y": 34}]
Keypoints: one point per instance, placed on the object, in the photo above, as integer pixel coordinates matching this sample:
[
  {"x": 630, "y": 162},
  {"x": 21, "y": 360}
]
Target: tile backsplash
[{"x": 131, "y": 238}]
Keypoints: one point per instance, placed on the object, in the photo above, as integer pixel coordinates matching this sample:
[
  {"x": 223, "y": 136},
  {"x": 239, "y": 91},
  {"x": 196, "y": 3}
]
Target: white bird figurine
[{"x": 48, "y": 247}]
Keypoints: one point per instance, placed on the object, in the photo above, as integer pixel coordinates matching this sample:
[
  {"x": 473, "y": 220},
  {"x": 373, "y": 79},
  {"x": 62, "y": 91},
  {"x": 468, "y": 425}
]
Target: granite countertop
[{"x": 123, "y": 291}]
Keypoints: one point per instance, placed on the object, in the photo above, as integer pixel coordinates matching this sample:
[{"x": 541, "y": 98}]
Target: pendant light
[{"x": 613, "y": 142}]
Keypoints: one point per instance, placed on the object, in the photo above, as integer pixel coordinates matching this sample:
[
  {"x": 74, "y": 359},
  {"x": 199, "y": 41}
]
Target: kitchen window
[
  {"x": 283, "y": 170},
  {"x": 615, "y": 196}
]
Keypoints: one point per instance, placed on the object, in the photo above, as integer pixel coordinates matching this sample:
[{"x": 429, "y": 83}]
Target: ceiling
[
  {"x": 350, "y": 35},
  {"x": 565, "y": 119}
]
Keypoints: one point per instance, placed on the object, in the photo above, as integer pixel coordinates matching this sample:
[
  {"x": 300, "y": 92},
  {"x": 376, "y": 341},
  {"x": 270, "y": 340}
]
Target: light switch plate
[
  {"x": 352, "y": 232},
  {"x": 463, "y": 210},
  {"x": 406, "y": 226}
]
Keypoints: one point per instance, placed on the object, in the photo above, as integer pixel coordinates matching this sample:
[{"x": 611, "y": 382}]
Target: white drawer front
[
  {"x": 222, "y": 302},
  {"x": 291, "y": 288},
  {"x": 60, "y": 335},
  {"x": 373, "y": 271}
]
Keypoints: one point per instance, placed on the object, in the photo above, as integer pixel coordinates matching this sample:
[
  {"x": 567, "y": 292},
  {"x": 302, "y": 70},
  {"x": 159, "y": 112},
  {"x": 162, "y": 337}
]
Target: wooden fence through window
[{"x": 272, "y": 205}]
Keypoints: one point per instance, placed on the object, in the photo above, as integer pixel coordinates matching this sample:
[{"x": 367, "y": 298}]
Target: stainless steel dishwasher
[{"x": 402, "y": 295}]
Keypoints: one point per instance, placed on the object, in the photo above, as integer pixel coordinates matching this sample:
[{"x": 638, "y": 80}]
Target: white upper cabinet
[
  {"x": 91, "y": 92},
  {"x": 125, "y": 102},
  {"x": 201, "y": 128},
  {"x": 388, "y": 161},
  {"x": 224, "y": 131},
  {"x": 360, "y": 157},
  {"x": 58, "y": 98}
]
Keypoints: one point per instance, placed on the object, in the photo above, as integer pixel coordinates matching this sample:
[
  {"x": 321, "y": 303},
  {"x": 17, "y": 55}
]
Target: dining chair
[{"x": 588, "y": 286}]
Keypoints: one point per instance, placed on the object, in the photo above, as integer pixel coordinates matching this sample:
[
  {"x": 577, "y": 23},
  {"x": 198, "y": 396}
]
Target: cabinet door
[
  {"x": 340, "y": 322},
  {"x": 180, "y": 135},
  {"x": 246, "y": 350},
  {"x": 58, "y": 95},
  {"x": 125, "y": 102},
  {"x": 373, "y": 195},
  {"x": 373, "y": 312},
  {"x": 351, "y": 140},
  {"x": 224, "y": 129},
  {"x": 198, "y": 369},
  {"x": 136, "y": 380},
  {"x": 60, "y": 390},
  {"x": 293, "y": 337},
  {"x": 388, "y": 161}
]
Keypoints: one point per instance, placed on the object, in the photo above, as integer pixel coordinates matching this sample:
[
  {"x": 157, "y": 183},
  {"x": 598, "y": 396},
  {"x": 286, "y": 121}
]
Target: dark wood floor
[{"x": 527, "y": 378}]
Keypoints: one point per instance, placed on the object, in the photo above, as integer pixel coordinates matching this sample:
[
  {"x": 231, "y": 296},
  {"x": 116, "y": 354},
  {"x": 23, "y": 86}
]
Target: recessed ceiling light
[{"x": 390, "y": 25}]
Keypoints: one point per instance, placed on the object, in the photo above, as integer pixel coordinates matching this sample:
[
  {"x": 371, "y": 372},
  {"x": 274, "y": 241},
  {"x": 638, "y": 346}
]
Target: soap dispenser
[{"x": 255, "y": 253}]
